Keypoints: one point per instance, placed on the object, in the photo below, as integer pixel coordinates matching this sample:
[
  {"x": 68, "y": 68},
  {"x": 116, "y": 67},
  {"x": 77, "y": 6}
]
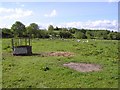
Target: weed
[{"x": 46, "y": 68}]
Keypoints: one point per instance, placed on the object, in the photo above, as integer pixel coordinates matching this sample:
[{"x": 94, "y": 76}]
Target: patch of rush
[{"x": 83, "y": 67}]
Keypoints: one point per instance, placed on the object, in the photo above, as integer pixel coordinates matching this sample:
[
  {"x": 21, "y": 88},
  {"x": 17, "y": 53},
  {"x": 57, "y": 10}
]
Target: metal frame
[{"x": 21, "y": 44}]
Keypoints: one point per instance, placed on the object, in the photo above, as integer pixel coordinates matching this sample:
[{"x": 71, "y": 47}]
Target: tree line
[{"x": 18, "y": 29}]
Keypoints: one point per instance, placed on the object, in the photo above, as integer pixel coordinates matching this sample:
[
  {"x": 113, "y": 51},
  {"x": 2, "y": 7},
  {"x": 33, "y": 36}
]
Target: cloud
[
  {"x": 98, "y": 24},
  {"x": 111, "y": 25},
  {"x": 45, "y": 25},
  {"x": 52, "y": 14},
  {"x": 22, "y": 5},
  {"x": 113, "y": 0},
  {"x": 14, "y": 13},
  {"x": 19, "y": 4}
]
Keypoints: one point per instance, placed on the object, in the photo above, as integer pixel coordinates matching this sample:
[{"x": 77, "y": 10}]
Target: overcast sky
[{"x": 92, "y": 15}]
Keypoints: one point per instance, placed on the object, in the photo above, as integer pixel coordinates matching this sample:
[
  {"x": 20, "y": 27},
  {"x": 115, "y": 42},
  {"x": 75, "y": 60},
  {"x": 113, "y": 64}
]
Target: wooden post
[
  {"x": 29, "y": 41},
  {"x": 25, "y": 41},
  {"x": 19, "y": 42},
  {"x": 12, "y": 44}
]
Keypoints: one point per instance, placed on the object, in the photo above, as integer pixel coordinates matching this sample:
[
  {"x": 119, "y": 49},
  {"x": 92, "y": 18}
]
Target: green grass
[
  {"x": 48, "y": 72},
  {"x": 0, "y": 63}
]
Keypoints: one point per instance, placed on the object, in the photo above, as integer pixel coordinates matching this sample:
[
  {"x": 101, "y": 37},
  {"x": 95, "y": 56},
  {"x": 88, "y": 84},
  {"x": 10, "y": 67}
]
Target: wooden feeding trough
[{"x": 21, "y": 46}]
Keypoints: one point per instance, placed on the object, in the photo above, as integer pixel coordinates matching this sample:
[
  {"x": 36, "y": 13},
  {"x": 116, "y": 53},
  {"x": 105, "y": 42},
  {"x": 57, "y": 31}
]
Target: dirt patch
[
  {"x": 83, "y": 67},
  {"x": 65, "y": 54},
  {"x": 45, "y": 54}
]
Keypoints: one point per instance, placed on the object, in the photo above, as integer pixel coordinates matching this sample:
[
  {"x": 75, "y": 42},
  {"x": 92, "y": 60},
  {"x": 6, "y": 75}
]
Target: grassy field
[
  {"x": 0, "y": 63},
  {"x": 29, "y": 71}
]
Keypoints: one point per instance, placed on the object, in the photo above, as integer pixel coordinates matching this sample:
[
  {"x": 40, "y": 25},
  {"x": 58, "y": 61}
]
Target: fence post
[
  {"x": 12, "y": 44},
  {"x": 29, "y": 41},
  {"x": 25, "y": 41}
]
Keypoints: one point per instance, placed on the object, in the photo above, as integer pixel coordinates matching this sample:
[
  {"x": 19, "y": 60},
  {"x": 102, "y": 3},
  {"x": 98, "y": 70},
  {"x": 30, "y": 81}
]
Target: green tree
[
  {"x": 44, "y": 34},
  {"x": 83, "y": 31},
  {"x": 6, "y": 33},
  {"x": 32, "y": 30},
  {"x": 65, "y": 34},
  {"x": 118, "y": 35},
  {"x": 64, "y": 29},
  {"x": 73, "y": 30},
  {"x": 112, "y": 36},
  {"x": 80, "y": 35},
  {"x": 50, "y": 29},
  {"x": 56, "y": 29},
  {"x": 18, "y": 29},
  {"x": 105, "y": 34},
  {"x": 89, "y": 34}
]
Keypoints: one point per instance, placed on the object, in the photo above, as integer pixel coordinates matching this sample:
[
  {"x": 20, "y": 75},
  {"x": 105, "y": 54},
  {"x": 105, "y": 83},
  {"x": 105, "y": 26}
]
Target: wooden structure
[{"x": 21, "y": 46}]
